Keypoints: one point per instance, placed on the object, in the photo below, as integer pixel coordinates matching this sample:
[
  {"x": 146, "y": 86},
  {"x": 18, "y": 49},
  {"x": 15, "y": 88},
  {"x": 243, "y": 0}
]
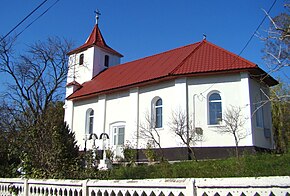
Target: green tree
[
  {"x": 9, "y": 155},
  {"x": 281, "y": 116},
  {"x": 50, "y": 150}
]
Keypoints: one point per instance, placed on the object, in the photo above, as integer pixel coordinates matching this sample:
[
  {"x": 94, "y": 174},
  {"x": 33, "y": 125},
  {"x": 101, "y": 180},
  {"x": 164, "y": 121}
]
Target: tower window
[
  {"x": 106, "y": 63},
  {"x": 81, "y": 60}
]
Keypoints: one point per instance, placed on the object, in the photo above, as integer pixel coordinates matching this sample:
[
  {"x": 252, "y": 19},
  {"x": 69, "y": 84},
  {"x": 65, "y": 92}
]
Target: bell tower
[
  {"x": 87, "y": 61},
  {"x": 92, "y": 57}
]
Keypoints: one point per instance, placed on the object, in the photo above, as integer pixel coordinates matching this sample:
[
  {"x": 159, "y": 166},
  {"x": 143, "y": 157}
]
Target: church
[{"x": 202, "y": 80}]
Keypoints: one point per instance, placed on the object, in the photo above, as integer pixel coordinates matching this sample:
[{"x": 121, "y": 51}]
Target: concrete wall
[{"x": 275, "y": 185}]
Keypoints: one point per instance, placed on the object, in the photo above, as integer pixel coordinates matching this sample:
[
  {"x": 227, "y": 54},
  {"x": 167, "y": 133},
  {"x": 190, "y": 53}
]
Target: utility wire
[
  {"x": 23, "y": 20},
  {"x": 37, "y": 18},
  {"x": 257, "y": 28},
  {"x": 248, "y": 42}
]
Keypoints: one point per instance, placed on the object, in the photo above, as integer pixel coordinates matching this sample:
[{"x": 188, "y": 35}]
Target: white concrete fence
[{"x": 278, "y": 186}]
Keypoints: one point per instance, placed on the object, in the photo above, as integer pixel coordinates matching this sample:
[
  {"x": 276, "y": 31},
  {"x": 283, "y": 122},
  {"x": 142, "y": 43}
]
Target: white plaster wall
[
  {"x": 93, "y": 64},
  {"x": 232, "y": 91},
  {"x": 99, "y": 60},
  {"x": 83, "y": 72},
  {"x": 68, "y": 113},
  {"x": 132, "y": 124},
  {"x": 79, "y": 121},
  {"x": 117, "y": 107},
  {"x": 68, "y": 107},
  {"x": 131, "y": 106},
  {"x": 172, "y": 99},
  {"x": 71, "y": 62},
  {"x": 257, "y": 92}
]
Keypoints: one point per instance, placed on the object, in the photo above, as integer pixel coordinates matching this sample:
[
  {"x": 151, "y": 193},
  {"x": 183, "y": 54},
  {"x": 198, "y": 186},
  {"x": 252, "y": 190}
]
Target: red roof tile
[
  {"x": 199, "y": 58},
  {"x": 96, "y": 38}
]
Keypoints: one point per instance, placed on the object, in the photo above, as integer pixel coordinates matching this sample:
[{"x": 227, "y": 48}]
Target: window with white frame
[
  {"x": 215, "y": 108},
  {"x": 89, "y": 121},
  {"x": 118, "y": 135},
  {"x": 157, "y": 117}
]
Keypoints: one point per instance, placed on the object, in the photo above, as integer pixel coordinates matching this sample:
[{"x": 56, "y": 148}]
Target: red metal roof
[
  {"x": 96, "y": 38},
  {"x": 198, "y": 58}
]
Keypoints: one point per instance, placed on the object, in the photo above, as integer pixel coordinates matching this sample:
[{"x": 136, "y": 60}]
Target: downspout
[
  {"x": 105, "y": 113},
  {"x": 137, "y": 119},
  {"x": 187, "y": 118},
  {"x": 72, "y": 117}
]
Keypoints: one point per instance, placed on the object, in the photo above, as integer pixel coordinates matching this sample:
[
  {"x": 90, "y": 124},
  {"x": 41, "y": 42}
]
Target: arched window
[
  {"x": 106, "y": 62},
  {"x": 215, "y": 109},
  {"x": 81, "y": 59},
  {"x": 158, "y": 113},
  {"x": 89, "y": 121}
]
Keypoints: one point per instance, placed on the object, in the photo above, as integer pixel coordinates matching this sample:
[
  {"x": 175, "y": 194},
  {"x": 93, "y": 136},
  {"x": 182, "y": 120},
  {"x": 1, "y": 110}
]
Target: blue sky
[{"x": 141, "y": 28}]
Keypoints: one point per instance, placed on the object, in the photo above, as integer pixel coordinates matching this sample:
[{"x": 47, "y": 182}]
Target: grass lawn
[{"x": 245, "y": 166}]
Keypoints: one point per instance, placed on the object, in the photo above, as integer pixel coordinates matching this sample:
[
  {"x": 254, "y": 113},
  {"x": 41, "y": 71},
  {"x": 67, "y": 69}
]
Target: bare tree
[
  {"x": 149, "y": 132},
  {"x": 277, "y": 58},
  {"x": 276, "y": 50},
  {"x": 234, "y": 125},
  {"x": 37, "y": 75},
  {"x": 181, "y": 126},
  {"x": 277, "y": 42}
]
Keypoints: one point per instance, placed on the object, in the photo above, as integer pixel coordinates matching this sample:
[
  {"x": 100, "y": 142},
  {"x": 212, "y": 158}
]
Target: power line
[
  {"x": 23, "y": 20},
  {"x": 257, "y": 29},
  {"x": 269, "y": 10},
  {"x": 37, "y": 18}
]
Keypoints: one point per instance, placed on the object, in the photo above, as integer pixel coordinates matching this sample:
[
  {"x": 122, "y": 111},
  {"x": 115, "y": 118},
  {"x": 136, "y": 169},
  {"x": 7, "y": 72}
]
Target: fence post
[
  {"x": 194, "y": 191},
  {"x": 25, "y": 187},
  {"x": 190, "y": 187},
  {"x": 85, "y": 188}
]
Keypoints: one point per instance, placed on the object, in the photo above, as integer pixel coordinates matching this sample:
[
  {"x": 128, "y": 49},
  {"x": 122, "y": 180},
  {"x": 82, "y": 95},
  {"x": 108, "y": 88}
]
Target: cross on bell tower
[{"x": 98, "y": 13}]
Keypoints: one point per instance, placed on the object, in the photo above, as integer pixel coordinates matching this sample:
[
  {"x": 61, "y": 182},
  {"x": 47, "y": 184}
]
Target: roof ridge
[
  {"x": 191, "y": 53},
  {"x": 156, "y": 54}
]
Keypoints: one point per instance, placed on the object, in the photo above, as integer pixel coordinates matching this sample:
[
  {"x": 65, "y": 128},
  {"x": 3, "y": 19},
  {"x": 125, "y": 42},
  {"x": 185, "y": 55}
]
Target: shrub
[{"x": 130, "y": 154}]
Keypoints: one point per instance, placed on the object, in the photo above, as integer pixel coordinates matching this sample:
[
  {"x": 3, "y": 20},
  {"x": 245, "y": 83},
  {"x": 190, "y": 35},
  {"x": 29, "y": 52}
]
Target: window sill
[{"x": 217, "y": 125}]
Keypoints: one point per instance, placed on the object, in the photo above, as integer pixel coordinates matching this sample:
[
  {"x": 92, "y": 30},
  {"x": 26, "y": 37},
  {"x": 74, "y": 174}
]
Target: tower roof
[{"x": 95, "y": 39}]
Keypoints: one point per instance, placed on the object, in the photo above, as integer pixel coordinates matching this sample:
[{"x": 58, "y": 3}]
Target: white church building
[{"x": 201, "y": 79}]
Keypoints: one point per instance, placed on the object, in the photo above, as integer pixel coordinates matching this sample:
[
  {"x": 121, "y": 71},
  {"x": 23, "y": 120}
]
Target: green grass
[{"x": 246, "y": 166}]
